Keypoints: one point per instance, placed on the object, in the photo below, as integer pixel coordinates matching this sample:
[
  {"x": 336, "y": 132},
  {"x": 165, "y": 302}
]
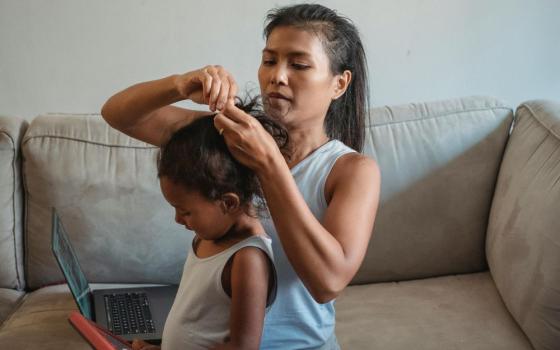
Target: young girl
[
  {"x": 228, "y": 279},
  {"x": 323, "y": 200}
]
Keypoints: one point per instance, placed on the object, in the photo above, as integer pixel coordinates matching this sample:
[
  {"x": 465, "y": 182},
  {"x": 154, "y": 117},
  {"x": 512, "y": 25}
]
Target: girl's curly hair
[{"x": 196, "y": 157}]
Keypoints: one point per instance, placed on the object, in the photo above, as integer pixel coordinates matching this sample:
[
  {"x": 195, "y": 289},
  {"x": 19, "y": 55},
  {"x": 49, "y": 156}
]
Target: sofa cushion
[
  {"x": 9, "y": 300},
  {"x": 105, "y": 188},
  {"x": 42, "y": 320},
  {"x": 453, "y": 312},
  {"x": 439, "y": 163},
  {"x": 523, "y": 243},
  {"x": 11, "y": 207}
]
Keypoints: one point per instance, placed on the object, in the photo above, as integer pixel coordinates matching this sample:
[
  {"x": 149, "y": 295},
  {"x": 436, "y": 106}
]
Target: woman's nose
[{"x": 279, "y": 75}]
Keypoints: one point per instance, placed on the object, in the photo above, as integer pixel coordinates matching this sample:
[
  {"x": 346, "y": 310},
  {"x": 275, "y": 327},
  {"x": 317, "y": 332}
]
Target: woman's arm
[
  {"x": 250, "y": 271},
  {"x": 325, "y": 255},
  {"x": 144, "y": 110}
]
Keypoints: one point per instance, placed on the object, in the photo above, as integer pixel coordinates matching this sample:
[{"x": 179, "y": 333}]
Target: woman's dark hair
[
  {"x": 346, "y": 116},
  {"x": 196, "y": 157}
]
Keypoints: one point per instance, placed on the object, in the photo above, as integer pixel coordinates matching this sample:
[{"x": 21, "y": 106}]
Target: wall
[{"x": 71, "y": 55}]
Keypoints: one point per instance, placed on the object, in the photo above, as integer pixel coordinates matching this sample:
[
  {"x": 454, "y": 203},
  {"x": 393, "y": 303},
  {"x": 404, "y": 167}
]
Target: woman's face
[{"x": 295, "y": 77}]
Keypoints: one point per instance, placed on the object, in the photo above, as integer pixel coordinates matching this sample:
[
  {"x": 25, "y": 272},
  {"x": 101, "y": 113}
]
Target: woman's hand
[
  {"x": 246, "y": 138},
  {"x": 142, "y": 345},
  {"x": 211, "y": 85}
]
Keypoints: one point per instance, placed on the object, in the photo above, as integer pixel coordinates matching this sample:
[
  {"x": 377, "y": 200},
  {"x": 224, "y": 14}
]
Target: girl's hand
[
  {"x": 211, "y": 85},
  {"x": 142, "y": 345},
  {"x": 246, "y": 138}
]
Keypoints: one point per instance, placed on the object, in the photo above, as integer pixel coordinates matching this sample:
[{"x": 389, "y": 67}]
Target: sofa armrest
[
  {"x": 11, "y": 203},
  {"x": 523, "y": 240}
]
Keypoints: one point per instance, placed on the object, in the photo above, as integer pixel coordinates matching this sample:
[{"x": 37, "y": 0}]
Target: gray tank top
[{"x": 199, "y": 317}]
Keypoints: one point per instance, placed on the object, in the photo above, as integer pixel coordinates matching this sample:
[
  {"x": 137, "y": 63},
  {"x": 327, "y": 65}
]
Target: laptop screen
[{"x": 70, "y": 267}]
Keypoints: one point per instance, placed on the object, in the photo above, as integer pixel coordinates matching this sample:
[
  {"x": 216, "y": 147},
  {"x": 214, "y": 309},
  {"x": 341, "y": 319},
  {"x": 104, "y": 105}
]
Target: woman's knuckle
[{"x": 252, "y": 124}]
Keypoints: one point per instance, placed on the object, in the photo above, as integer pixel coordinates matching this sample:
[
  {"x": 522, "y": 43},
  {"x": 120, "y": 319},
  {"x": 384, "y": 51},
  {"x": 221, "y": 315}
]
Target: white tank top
[{"x": 199, "y": 317}]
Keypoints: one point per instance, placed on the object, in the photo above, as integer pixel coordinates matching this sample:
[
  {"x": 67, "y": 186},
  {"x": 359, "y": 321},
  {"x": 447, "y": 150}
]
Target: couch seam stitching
[
  {"x": 87, "y": 141},
  {"x": 18, "y": 286},
  {"x": 25, "y": 224},
  {"x": 534, "y": 115},
  {"x": 13, "y": 311},
  {"x": 459, "y": 113}
]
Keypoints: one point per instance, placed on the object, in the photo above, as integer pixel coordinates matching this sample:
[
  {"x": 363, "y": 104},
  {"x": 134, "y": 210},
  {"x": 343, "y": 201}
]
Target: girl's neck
[
  {"x": 244, "y": 227},
  {"x": 241, "y": 229}
]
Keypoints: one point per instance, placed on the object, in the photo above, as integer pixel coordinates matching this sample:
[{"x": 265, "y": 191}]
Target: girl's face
[
  {"x": 295, "y": 77},
  {"x": 208, "y": 219}
]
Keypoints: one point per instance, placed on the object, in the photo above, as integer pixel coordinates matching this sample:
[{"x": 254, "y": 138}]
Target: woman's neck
[{"x": 304, "y": 141}]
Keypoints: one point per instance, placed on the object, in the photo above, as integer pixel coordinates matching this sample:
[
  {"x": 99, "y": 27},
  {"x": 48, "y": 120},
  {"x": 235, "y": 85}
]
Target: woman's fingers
[
  {"x": 206, "y": 84},
  {"x": 222, "y": 98},
  {"x": 238, "y": 115},
  {"x": 211, "y": 85},
  {"x": 232, "y": 88},
  {"x": 246, "y": 138},
  {"x": 223, "y": 123},
  {"x": 220, "y": 86}
]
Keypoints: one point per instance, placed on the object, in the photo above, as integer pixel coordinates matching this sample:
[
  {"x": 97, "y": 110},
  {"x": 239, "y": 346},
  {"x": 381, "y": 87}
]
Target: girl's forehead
[{"x": 175, "y": 191}]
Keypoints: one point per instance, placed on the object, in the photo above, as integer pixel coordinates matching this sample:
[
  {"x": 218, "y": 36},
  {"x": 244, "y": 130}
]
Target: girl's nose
[
  {"x": 187, "y": 226},
  {"x": 178, "y": 219}
]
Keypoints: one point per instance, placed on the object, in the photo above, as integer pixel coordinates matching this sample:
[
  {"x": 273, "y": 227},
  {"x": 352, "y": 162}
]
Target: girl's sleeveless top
[
  {"x": 199, "y": 317},
  {"x": 296, "y": 320}
]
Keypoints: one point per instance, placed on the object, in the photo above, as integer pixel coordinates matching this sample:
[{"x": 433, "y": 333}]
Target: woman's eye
[
  {"x": 268, "y": 62},
  {"x": 299, "y": 66}
]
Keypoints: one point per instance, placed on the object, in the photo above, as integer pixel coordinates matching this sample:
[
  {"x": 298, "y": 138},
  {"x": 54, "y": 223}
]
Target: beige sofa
[{"x": 465, "y": 252}]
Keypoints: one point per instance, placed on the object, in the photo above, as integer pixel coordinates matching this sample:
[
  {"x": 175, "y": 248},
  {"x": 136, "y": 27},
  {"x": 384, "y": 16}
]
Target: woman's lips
[{"x": 276, "y": 95}]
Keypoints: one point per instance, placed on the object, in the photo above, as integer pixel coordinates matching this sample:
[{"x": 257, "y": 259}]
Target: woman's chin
[{"x": 277, "y": 111}]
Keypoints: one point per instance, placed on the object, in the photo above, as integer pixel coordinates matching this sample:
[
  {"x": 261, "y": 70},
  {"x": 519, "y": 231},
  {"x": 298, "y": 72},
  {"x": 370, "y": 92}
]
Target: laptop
[{"x": 132, "y": 313}]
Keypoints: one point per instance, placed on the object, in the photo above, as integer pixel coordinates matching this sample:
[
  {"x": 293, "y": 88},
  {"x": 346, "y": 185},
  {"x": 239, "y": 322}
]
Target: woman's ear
[
  {"x": 230, "y": 202},
  {"x": 342, "y": 82}
]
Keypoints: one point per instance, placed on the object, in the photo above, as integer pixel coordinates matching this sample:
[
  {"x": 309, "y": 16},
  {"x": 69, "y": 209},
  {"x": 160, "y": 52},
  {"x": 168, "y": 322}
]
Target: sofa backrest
[
  {"x": 105, "y": 188},
  {"x": 11, "y": 203},
  {"x": 439, "y": 163},
  {"x": 523, "y": 243}
]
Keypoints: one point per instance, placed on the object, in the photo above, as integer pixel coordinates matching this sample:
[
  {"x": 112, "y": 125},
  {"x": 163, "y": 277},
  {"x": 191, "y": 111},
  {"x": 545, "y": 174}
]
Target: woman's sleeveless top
[{"x": 296, "y": 320}]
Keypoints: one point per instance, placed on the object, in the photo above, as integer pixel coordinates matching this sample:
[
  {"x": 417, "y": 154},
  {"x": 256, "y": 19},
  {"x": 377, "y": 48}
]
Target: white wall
[{"x": 71, "y": 55}]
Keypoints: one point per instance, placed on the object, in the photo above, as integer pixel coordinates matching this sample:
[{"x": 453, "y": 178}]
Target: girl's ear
[
  {"x": 230, "y": 202},
  {"x": 342, "y": 82}
]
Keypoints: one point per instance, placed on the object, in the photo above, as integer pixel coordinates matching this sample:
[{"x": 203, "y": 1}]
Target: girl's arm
[
  {"x": 144, "y": 110},
  {"x": 250, "y": 273},
  {"x": 325, "y": 255}
]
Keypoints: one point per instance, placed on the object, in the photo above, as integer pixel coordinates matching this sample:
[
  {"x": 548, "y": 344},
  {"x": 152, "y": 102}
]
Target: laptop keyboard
[{"x": 129, "y": 313}]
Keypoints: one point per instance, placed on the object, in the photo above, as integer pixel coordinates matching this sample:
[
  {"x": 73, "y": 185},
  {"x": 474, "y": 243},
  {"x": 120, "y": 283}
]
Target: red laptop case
[{"x": 96, "y": 336}]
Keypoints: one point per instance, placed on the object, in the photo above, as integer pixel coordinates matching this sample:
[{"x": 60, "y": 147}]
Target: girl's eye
[
  {"x": 184, "y": 213},
  {"x": 268, "y": 62}
]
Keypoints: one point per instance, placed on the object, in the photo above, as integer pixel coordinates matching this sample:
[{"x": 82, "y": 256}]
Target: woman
[{"x": 323, "y": 199}]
